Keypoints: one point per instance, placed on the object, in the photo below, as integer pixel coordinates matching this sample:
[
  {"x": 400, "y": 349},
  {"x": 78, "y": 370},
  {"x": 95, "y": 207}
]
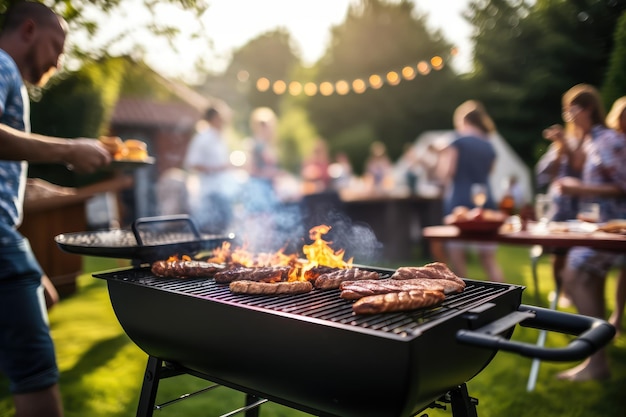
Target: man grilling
[{"x": 31, "y": 40}]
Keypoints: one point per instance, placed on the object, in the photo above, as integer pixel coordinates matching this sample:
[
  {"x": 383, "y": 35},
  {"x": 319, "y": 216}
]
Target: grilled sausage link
[
  {"x": 399, "y": 301},
  {"x": 262, "y": 274},
  {"x": 266, "y": 288},
  {"x": 185, "y": 269},
  {"x": 333, "y": 279}
]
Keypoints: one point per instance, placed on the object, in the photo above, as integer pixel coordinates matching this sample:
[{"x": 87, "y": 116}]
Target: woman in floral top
[{"x": 603, "y": 181}]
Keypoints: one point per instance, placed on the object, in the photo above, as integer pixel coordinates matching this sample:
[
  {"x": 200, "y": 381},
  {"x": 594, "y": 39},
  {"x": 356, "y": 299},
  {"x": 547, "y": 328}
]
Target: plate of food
[
  {"x": 132, "y": 163},
  {"x": 479, "y": 226},
  {"x": 128, "y": 154},
  {"x": 617, "y": 226},
  {"x": 476, "y": 220}
]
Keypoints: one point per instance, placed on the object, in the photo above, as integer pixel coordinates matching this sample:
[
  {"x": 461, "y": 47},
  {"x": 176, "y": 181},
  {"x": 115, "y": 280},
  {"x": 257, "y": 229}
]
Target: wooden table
[
  {"x": 536, "y": 237},
  {"x": 597, "y": 240}
]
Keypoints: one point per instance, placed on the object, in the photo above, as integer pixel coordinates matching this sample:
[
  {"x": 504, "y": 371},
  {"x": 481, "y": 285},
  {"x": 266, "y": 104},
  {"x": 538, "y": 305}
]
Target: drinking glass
[
  {"x": 479, "y": 194},
  {"x": 589, "y": 212},
  {"x": 544, "y": 209}
]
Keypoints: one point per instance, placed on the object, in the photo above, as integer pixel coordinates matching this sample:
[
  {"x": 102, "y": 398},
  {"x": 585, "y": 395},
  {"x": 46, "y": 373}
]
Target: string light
[{"x": 343, "y": 87}]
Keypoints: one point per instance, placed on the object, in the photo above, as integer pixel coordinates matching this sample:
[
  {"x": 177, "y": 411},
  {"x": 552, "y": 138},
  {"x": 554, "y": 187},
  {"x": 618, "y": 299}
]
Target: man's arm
[{"x": 82, "y": 155}]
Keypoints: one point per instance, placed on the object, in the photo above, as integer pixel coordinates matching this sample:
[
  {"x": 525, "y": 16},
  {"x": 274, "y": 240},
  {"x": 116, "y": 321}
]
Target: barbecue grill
[{"x": 311, "y": 353}]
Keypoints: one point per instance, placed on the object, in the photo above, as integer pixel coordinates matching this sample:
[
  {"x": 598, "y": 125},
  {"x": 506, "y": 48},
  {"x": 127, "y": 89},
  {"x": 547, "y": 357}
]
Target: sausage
[
  {"x": 185, "y": 269},
  {"x": 266, "y": 288}
]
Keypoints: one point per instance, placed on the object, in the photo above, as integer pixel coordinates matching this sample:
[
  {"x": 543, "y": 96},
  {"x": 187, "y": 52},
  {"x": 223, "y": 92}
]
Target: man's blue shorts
[{"x": 27, "y": 354}]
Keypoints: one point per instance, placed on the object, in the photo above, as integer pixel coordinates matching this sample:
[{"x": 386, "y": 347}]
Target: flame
[
  {"x": 318, "y": 253},
  {"x": 175, "y": 258}
]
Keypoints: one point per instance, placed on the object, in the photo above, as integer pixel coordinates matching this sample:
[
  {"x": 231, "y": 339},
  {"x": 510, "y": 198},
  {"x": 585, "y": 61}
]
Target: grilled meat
[
  {"x": 262, "y": 274},
  {"x": 185, "y": 269},
  {"x": 333, "y": 279},
  {"x": 314, "y": 273},
  {"x": 266, "y": 288},
  {"x": 435, "y": 270},
  {"x": 398, "y": 301},
  {"x": 353, "y": 290}
]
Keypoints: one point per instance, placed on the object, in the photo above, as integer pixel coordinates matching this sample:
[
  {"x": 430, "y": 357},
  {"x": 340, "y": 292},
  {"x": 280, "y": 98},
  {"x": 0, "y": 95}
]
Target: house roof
[{"x": 145, "y": 112}]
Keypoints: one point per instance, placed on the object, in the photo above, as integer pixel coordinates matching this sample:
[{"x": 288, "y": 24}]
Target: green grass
[{"x": 102, "y": 370}]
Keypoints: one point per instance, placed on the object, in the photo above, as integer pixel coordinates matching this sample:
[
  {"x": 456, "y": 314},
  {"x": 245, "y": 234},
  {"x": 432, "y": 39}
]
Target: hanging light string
[{"x": 343, "y": 87}]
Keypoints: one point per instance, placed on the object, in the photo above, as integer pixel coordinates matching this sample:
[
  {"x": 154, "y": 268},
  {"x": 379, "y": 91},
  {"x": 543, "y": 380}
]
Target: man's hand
[{"x": 87, "y": 155}]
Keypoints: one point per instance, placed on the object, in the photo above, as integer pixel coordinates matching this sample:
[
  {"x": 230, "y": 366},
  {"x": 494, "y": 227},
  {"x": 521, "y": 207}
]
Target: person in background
[
  {"x": 564, "y": 158},
  {"x": 207, "y": 158},
  {"x": 467, "y": 160},
  {"x": 603, "y": 180},
  {"x": 260, "y": 200},
  {"x": 341, "y": 171},
  {"x": 31, "y": 40},
  {"x": 378, "y": 166},
  {"x": 616, "y": 120},
  {"x": 315, "y": 169}
]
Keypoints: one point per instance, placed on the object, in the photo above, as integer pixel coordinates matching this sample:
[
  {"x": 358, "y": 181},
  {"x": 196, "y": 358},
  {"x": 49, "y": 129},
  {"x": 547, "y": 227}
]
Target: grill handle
[
  {"x": 162, "y": 220},
  {"x": 592, "y": 334}
]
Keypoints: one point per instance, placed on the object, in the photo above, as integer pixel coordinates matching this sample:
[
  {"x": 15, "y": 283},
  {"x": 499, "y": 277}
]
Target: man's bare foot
[{"x": 584, "y": 372}]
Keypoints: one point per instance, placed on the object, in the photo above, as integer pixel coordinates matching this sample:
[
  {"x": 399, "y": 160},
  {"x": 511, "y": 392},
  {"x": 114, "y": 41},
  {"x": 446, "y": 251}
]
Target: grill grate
[{"x": 320, "y": 305}]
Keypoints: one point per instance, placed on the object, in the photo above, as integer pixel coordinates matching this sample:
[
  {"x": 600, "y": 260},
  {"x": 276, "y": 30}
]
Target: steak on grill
[
  {"x": 434, "y": 270},
  {"x": 353, "y": 290},
  {"x": 332, "y": 280},
  {"x": 398, "y": 301}
]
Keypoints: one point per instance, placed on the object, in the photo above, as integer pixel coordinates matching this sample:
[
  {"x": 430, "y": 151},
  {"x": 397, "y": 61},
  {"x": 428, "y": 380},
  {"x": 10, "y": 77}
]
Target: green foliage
[
  {"x": 379, "y": 36},
  {"x": 527, "y": 55},
  {"x": 77, "y": 104},
  {"x": 355, "y": 142},
  {"x": 615, "y": 82},
  {"x": 269, "y": 55},
  {"x": 296, "y": 137}
]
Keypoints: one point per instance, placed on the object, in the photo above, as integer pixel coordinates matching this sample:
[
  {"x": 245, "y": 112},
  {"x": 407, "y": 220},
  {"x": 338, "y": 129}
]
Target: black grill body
[{"x": 309, "y": 351}]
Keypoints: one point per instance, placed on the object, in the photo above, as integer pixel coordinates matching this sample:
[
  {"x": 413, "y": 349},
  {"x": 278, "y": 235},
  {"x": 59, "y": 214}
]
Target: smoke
[{"x": 287, "y": 227}]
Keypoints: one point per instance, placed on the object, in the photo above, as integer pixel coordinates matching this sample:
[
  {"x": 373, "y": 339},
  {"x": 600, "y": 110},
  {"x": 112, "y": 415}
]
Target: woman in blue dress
[{"x": 469, "y": 160}]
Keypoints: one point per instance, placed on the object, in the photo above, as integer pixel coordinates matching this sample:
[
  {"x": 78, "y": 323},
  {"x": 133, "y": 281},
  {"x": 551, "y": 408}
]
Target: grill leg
[
  {"x": 462, "y": 404},
  {"x": 253, "y": 412},
  {"x": 149, "y": 388}
]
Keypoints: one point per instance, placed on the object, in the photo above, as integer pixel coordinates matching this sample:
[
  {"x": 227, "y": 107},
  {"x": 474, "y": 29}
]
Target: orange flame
[
  {"x": 175, "y": 258},
  {"x": 318, "y": 253}
]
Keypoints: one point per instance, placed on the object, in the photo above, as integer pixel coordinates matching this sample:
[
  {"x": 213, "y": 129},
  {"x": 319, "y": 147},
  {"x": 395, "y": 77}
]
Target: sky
[{"x": 230, "y": 24}]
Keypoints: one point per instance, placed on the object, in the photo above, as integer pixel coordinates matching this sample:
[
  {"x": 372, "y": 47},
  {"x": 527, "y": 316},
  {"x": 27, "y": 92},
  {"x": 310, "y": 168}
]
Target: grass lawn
[{"x": 102, "y": 370}]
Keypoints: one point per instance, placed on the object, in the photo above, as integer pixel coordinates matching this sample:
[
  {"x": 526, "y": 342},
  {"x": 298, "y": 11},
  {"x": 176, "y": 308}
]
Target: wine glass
[
  {"x": 479, "y": 194},
  {"x": 544, "y": 209}
]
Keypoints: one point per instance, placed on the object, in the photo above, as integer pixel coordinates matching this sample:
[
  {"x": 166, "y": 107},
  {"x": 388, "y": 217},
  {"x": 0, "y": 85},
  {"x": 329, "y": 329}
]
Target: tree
[
  {"x": 615, "y": 82},
  {"x": 269, "y": 56},
  {"x": 76, "y": 105},
  {"x": 377, "y": 37},
  {"x": 82, "y": 17},
  {"x": 527, "y": 56}
]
